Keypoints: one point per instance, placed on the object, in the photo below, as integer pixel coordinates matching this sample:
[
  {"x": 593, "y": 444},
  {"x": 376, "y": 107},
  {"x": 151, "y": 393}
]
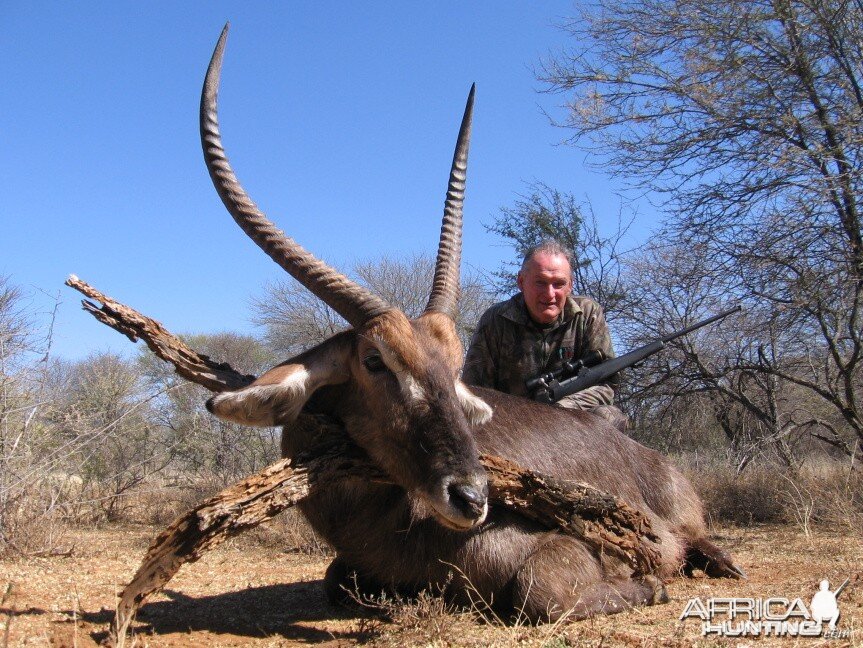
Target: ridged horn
[
  {"x": 350, "y": 300},
  {"x": 445, "y": 285}
]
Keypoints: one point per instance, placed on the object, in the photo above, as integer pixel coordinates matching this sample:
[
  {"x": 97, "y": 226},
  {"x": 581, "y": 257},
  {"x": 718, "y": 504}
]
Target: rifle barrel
[
  {"x": 698, "y": 325},
  {"x": 841, "y": 587}
]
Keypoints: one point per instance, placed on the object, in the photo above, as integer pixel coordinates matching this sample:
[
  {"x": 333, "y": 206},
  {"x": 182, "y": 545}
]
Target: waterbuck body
[
  {"x": 394, "y": 385},
  {"x": 509, "y": 563}
]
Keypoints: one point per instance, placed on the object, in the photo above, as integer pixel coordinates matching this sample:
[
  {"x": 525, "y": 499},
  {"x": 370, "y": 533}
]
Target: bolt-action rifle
[{"x": 594, "y": 368}]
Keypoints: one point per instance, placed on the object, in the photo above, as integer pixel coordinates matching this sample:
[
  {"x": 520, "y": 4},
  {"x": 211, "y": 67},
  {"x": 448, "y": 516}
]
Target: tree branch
[{"x": 195, "y": 367}]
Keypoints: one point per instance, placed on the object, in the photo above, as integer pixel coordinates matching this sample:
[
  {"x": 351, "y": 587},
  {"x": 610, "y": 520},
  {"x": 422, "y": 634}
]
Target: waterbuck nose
[{"x": 469, "y": 498}]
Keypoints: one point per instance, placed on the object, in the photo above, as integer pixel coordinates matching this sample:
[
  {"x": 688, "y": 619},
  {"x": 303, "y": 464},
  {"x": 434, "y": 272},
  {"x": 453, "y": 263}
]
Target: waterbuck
[{"x": 393, "y": 383}]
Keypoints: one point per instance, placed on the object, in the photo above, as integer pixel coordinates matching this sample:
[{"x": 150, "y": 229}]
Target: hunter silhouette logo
[
  {"x": 824, "y": 606},
  {"x": 773, "y": 616}
]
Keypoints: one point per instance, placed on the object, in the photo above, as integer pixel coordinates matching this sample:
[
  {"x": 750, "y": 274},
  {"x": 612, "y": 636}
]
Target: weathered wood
[
  {"x": 601, "y": 520},
  {"x": 195, "y": 367},
  {"x": 235, "y": 509}
]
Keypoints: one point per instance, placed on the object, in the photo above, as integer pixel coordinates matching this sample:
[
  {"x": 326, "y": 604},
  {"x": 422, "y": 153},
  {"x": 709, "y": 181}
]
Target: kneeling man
[{"x": 540, "y": 328}]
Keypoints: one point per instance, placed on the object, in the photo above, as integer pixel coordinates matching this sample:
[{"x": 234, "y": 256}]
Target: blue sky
[{"x": 339, "y": 118}]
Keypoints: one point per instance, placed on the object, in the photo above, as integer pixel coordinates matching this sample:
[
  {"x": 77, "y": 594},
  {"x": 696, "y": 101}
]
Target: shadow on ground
[{"x": 268, "y": 611}]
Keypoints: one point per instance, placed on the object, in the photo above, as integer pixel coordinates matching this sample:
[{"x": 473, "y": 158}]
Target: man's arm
[
  {"x": 589, "y": 398},
  {"x": 596, "y": 338}
]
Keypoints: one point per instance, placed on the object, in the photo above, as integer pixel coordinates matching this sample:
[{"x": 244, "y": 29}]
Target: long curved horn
[
  {"x": 350, "y": 300},
  {"x": 445, "y": 286}
]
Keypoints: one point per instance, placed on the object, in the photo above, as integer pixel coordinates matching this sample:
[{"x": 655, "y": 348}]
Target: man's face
[{"x": 545, "y": 282}]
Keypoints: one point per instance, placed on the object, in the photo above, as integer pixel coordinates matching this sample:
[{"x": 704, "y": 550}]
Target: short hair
[{"x": 548, "y": 246}]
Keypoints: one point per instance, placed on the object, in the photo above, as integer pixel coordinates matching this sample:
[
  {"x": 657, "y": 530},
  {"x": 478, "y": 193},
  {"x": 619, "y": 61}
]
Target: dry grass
[
  {"x": 247, "y": 594},
  {"x": 264, "y": 588},
  {"x": 824, "y": 494}
]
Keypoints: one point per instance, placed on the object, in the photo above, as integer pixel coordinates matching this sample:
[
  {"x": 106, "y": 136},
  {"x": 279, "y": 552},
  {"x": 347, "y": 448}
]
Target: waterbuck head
[{"x": 392, "y": 381}]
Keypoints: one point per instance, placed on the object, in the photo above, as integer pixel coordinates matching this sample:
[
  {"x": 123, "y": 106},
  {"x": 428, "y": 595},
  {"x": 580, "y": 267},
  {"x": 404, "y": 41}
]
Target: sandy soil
[{"x": 248, "y": 594}]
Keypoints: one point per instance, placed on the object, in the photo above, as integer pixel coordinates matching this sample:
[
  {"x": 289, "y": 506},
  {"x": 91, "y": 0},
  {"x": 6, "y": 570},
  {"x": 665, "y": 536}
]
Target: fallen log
[{"x": 601, "y": 520}]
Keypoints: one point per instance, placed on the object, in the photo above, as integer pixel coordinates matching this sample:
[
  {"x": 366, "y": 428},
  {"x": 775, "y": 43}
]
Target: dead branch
[
  {"x": 195, "y": 367},
  {"x": 237, "y": 508},
  {"x": 601, "y": 520}
]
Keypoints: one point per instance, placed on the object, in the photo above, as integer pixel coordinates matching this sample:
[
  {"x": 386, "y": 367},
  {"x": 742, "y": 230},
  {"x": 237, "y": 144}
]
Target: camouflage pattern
[{"x": 508, "y": 348}]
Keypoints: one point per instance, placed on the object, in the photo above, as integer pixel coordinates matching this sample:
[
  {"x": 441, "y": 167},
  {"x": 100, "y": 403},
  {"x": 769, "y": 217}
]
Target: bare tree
[
  {"x": 294, "y": 319},
  {"x": 102, "y": 416},
  {"x": 13, "y": 401},
  {"x": 746, "y": 117},
  {"x": 27, "y": 498},
  {"x": 61, "y": 425},
  {"x": 15, "y": 327},
  {"x": 716, "y": 374},
  {"x": 548, "y": 213},
  {"x": 207, "y": 450}
]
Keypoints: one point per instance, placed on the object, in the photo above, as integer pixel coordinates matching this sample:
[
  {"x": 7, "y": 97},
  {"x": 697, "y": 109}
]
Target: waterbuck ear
[
  {"x": 277, "y": 397},
  {"x": 475, "y": 409}
]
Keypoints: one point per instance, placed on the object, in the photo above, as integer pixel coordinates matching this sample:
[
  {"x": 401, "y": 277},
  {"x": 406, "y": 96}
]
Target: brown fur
[
  {"x": 395, "y": 330},
  {"x": 411, "y": 536},
  {"x": 441, "y": 329}
]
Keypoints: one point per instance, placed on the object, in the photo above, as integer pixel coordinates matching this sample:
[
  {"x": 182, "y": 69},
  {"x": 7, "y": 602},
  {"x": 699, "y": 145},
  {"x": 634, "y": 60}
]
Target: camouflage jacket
[{"x": 508, "y": 347}]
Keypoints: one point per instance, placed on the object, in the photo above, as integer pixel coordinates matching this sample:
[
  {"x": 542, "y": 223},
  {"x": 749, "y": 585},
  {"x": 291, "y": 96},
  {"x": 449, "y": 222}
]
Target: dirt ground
[{"x": 245, "y": 593}]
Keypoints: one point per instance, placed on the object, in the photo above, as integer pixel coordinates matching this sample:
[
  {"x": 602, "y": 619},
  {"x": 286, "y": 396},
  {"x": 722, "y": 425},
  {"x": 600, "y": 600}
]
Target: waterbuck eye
[{"x": 374, "y": 363}]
